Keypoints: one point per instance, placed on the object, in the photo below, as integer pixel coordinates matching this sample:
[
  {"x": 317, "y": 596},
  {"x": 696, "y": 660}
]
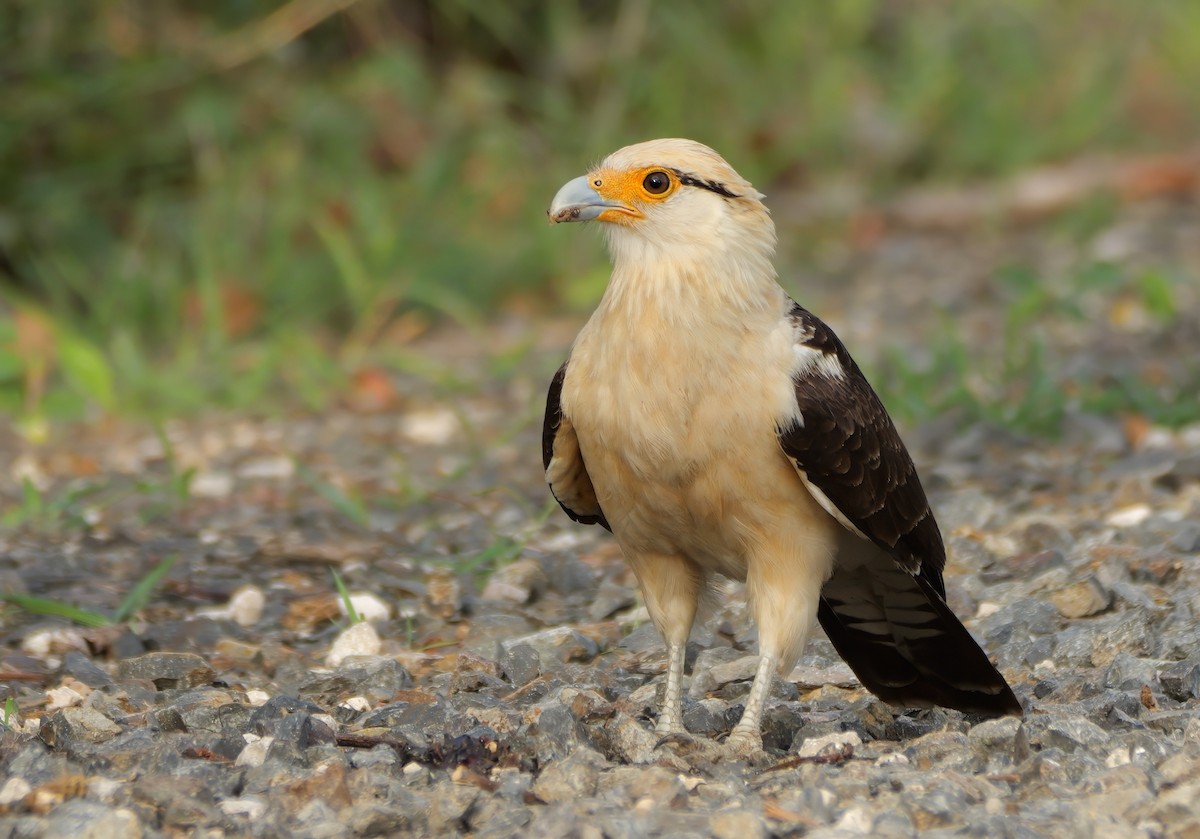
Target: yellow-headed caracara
[{"x": 717, "y": 427}]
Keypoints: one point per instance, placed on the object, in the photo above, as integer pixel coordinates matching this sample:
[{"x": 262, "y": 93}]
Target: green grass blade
[
  {"x": 139, "y": 595},
  {"x": 52, "y": 608},
  {"x": 351, "y": 508},
  {"x": 344, "y": 593}
]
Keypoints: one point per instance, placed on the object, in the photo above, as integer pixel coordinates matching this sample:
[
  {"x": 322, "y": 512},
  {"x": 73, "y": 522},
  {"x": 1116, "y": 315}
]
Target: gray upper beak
[{"x": 577, "y": 201}]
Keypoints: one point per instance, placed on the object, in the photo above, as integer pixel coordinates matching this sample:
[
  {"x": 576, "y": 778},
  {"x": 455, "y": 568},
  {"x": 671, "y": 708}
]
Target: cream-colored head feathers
[
  {"x": 668, "y": 195},
  {"x": 689, "y": 236}
]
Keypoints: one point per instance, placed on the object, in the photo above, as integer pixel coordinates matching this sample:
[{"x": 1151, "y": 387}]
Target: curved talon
[{"x": 680, "y": 738}]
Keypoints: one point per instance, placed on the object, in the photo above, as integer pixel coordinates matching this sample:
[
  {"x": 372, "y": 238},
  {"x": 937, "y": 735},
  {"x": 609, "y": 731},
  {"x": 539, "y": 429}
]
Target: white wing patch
[
  {"x": 827, "y": 505},
  {"x": 810, "y": 362}
]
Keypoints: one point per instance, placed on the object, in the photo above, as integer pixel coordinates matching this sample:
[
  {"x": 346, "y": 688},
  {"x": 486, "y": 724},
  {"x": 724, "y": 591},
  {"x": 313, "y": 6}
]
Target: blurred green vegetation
[{"x": 224, "y": 202}]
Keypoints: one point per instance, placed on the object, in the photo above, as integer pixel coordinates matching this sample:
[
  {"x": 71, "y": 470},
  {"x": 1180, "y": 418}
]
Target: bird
[{"x": 719, "y": 429}]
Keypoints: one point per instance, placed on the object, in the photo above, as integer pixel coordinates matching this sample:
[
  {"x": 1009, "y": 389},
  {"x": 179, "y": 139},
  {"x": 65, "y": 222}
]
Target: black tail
[{"x": 906, "y": 646}]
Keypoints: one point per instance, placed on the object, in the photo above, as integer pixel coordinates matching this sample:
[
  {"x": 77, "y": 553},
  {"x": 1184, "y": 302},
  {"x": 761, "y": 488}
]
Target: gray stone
[
  {"x": 910, "y": 727},
  {"x": 557, "y": 731},
  {"x": 948, "y": 747},
  {"x": 72, "y": 728},
  {"x": 568, "y": 574},
  {"x": 408, "y": 714},
  {"x": 940, "y": 806},
  {"x": 500, "y": 819},
  {"x": 1178, "y": 810},
  {"x": 380, "y": 819},
  {"x": 1073, "y": 734},
  {"x": 654, "y": 787},
  {"x": 630, "y": 741},
  {"x": 518, "y": 582},
  {"x": 167, "y": 670},
  {"x": 644, "y": 639},
  {"x": 610, "y": 597},
  {"x": 1181, "y": 681},
  {"x": 185, "y": 803},
  {"x": 491, "y": 628},
  {"x": 711, "y": 670},
  {"x": 1128, "y": 672},
  {"x": 378, "y": 678},
  {"x": 559, "y": 643},
  {"x": 450, "y": 808},
  {"x": 992, "y": 738},
  {"x": 1081, "y": 598},
  {"x": 1169, "y": 722},
  {"x": 571, "y": 777},
  {"x": 83, "y": 819},
  {"x": 79, "y": 666},
  {"x": 32, "y": 761},
  {"x": 520, "y": 663},
  {"x": 212, "y": 710},
  {"x": 1016, "y": 623},
  {"x": 706, "y": 717},
  {"x": 737, "y": 824}
]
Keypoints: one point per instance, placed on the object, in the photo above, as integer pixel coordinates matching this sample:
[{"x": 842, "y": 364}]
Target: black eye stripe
[{"x": 712, "y": 186}]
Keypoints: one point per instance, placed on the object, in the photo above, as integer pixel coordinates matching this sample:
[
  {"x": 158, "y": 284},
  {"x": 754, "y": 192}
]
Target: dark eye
[{"x": 656, "y": 183}]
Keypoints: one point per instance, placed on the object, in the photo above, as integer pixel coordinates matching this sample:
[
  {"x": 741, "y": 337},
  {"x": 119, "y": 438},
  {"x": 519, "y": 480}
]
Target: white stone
[
  {"x": 267, "y": 468},
  {"x": 328, "y": 720},
  {"x": 986, "y": 609},
  {"x": 251, "y": 808},
  {"x": 412, "y": 768},
  {"x": 104, "y": 789},
  {"x": 14, "y": 790},
  {"x": 211, "y": 485},
  {"x": 356, "y": 703},
  {"x": 246, "y": 605},
  {"x": 431, "y": 427},
  {"x": 358, "y": 639},
  {"x": 1117, "y": 757},
  {"x": 855, "y": 820},
  {"x": 255, "y": 753},
  {"x": 62, "y": 697},
  {"x": 257, "y": 697},
  {"x": 368, "y": 606},
  {"x": 53, "y": 641},
  {"x": 814, "y": 746},
  {"x": 1130, "y": 516}
]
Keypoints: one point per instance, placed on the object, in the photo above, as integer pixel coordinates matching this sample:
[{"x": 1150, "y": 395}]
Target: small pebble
[{"x": 358, "y": 639}]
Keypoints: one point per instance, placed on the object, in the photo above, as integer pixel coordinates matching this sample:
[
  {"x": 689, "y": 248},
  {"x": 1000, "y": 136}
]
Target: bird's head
[{"x": 666, "y": 193}]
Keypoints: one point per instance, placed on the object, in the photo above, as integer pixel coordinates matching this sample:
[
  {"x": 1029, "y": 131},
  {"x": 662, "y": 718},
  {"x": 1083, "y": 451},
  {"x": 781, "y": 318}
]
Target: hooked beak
[{"x": 578, "y": 201}]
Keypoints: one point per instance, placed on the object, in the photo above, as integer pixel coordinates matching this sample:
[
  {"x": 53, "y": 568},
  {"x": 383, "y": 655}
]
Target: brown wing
[
  {"x": 884, "y": 605},
  {"x": 566, "y": 472}
]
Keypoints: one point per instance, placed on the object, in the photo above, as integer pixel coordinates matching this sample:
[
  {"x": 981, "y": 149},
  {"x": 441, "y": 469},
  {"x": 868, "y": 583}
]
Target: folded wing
[
  {"x": 884, "y": 606},
  {"x": 565, "y": 470}
]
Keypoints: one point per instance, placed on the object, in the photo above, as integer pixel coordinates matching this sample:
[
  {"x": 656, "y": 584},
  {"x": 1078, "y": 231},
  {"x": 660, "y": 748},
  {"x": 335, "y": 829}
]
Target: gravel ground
[{"x": 520, "y": 701}]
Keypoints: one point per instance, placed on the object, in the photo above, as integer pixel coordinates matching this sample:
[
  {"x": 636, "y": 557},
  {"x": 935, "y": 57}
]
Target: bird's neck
[{"x": 692, "y": 290}]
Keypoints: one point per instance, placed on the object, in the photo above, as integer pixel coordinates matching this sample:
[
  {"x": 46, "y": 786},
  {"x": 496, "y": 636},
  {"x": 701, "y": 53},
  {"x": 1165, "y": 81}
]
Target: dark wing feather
[
  {"x": 848, "y": 448},
  {"x": 568, "y": 479},
  {"x": 885, "y": 611}
]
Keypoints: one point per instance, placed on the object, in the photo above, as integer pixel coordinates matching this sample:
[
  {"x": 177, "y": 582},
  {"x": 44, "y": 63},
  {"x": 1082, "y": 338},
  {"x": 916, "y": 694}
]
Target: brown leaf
[{"x": 372, "y": 391}]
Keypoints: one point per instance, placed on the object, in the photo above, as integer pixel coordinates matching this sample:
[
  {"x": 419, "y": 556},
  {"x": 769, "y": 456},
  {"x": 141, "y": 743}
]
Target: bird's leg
[
  {"x": 784, "y": 594},
  {"x": 746, "y": 735},
  {"x": 671, "y": 585},
  {"x": 670, "y": 716}
]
